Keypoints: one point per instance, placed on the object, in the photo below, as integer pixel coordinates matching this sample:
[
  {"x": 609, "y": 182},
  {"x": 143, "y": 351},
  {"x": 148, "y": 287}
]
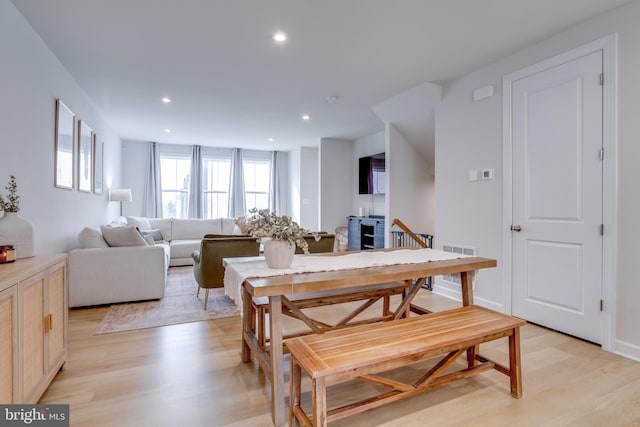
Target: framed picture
[
  {"x": 98, "y": 155},
  {"x": 85, "y": 157},
  {"x": 64, "y": 146}
]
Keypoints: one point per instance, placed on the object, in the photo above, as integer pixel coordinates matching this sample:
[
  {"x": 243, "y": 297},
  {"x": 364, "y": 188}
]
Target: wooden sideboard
[
  {"x": 33, "y": 326},
  {"x": 365, "y": 233}
]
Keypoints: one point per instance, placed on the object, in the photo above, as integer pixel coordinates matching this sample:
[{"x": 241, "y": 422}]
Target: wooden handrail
[{"x": 413, "y": 235}]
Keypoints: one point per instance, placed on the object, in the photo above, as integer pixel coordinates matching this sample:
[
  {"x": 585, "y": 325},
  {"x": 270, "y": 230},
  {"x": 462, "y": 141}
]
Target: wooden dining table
[{"x": 278, "y": 288}]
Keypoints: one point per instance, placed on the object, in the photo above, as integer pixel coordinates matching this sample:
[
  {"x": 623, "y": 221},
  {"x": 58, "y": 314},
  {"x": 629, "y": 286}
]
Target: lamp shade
[{"x": 120, "y": 195}]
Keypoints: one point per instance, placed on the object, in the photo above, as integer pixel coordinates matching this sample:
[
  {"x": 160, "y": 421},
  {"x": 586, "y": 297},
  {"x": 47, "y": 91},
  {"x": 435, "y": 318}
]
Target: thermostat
[{"x": 488, "y": 173}]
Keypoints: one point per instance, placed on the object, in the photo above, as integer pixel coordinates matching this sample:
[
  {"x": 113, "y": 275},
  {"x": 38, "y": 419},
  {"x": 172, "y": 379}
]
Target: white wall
[
  {"x": 374, "y": 204},
  {"x": 336, "y": 194},
  {"x": 409, "y": 185},
  {"x": 135, "y": 157},
  {"x": 309, "y": 176},
  {"x": 31, "y": 78},
  {"x": 469, "y": 136}
]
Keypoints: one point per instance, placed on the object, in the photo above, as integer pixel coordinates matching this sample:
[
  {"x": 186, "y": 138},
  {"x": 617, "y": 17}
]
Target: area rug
[{"x": 179, "y": 305}]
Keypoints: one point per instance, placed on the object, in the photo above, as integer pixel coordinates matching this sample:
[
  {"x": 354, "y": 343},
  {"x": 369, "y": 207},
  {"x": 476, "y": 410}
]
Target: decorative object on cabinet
[
  {"x": 365, "y": 233},
  {"x": 14, "y": 230},
  {"x": 85, "y": 157},
  {"x": 98, "y": 155},
  {"x": 33, "y": 326},
  {"x": 7, "y": 254},
  {"x": 64, "y": 146}
]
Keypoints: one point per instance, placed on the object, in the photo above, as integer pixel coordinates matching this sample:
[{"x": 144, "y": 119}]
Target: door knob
[{"x": 516, "y": 228}]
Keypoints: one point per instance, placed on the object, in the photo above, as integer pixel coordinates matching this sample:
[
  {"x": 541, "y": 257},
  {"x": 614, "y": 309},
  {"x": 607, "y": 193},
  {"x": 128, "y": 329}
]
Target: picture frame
[
  {"x": 85, "y": 157},
  {"x": 98, "y": 156},
  {"x": 64, "y": 146}
]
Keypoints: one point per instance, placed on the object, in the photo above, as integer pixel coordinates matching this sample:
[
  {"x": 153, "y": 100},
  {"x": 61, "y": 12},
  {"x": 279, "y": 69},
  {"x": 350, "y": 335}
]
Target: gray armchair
[
  {"x": 325, "y": 244},
  {"x": 207, "y": 262}
]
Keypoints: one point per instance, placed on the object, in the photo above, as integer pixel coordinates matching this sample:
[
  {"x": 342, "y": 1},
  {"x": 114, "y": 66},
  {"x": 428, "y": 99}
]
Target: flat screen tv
[{"x": 371, "y": 174}]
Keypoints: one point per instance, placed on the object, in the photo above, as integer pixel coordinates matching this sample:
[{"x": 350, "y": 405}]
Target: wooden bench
[
  {"x": 358, "y": 353},
  {"x": 293, "y": 305}
]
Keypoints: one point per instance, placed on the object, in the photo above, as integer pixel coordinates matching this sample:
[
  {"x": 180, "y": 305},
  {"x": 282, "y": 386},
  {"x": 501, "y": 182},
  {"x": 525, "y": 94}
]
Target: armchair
[
  {"x": 325, "y": 244},
  {"x": 207, "y": 262}
]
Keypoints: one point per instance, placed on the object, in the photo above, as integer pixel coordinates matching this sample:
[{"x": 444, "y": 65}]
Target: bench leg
[
  {"x": 515, "y": 369},
  {"x": 294, "y": 391},
  {"x": 319, "y": 404}
]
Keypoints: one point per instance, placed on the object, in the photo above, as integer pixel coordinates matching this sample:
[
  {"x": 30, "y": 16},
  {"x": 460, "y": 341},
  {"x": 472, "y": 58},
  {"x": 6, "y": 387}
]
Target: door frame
[{"x": 608, "y": 45}]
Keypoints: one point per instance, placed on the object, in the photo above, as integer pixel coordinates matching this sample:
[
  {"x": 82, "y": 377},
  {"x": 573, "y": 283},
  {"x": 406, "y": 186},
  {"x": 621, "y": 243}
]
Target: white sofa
[{"x": 102, "y": 274}]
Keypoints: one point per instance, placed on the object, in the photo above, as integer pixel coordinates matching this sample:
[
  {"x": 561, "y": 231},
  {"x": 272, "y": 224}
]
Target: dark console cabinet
[{"x": 365, "y": 233}]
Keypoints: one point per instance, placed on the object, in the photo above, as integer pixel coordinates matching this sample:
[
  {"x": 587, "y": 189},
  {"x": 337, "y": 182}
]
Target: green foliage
[{"x": 11, "y": 204}]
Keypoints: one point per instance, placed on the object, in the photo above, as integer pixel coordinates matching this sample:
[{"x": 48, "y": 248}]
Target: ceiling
[{"x": 232, "y": 85}]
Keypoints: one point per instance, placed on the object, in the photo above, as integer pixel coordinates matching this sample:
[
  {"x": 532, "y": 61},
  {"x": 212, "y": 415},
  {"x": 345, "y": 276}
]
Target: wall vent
[{"x": 457, "y": 249}]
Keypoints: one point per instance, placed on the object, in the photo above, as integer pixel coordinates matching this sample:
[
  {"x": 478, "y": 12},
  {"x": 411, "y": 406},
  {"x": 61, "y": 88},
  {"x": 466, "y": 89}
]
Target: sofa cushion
[
  {"x": 183, "y": 248},
  {"x": 122, "y": 236},
  {"x": 182, "y": 229},
  {"x": 140, "y": 222},
  {"x": 162, "y": 224},
  {"x": 155, "y": 234},
  {"x": 91, "y": 238}
]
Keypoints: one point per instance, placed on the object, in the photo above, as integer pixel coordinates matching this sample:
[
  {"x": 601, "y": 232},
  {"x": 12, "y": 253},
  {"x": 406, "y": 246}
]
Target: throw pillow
[
  {"x": 149, "y": 239},
  {"x": 140, "y": 222},
  {"x": 155, "y": 234},
  {"x": 122, "y": 236},
  {"x": 91, "y": 238}
]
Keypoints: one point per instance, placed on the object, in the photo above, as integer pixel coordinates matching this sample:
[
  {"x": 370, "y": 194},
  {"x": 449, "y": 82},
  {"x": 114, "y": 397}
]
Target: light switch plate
[{"x": 473, "y": 175}]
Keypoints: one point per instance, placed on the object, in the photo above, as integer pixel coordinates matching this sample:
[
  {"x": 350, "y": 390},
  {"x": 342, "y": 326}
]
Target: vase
[
  {"x": 279, "y": 253},
  {"x": 18, "y": 232}
]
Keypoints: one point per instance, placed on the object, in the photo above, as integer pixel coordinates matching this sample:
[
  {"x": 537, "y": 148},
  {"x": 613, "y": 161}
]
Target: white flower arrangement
[{"x": 262, "y": 223}]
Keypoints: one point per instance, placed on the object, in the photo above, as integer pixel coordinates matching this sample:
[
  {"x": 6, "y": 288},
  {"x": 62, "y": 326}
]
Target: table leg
[
  {"x": 467, "y": 299},
  {"x": 247, "y": 321},
  {"x": 276, "y": 360},
  {"x": 467, "y": 289}
]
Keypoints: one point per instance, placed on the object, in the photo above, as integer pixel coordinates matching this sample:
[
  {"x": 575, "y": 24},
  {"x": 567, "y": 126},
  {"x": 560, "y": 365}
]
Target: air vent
[{"x": 456, "y": 249}]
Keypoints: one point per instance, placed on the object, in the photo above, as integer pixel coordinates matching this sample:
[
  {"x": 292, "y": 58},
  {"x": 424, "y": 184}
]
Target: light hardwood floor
[{"x": 191, "y": 375}]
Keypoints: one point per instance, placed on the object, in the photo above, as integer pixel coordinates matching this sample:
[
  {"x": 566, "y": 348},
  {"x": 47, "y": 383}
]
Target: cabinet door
[
  {"x": 55, "y": 316},
  {"x": 378, "y": 240},
  {"x": 8, "y": 345},
  {"x": 31, "y": 343},
  {"x": 353, "y": 237}
]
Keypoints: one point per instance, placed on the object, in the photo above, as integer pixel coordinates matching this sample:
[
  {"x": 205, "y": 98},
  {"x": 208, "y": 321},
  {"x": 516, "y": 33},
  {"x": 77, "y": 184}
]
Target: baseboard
[
  {"x": 628, "y": 350},
  {"x": 454, "y": 294}
]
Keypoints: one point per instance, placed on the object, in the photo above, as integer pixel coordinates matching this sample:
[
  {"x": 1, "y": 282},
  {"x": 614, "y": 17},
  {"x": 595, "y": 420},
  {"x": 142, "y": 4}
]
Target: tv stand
[{"x": 365, "y": 232}]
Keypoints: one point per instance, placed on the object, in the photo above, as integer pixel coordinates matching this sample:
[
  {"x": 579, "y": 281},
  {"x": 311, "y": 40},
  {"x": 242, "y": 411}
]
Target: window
[
  {"x": 217, "y": 174},
  {"x": 174, "y": 173},
  {"x": 257, "y": 177}
]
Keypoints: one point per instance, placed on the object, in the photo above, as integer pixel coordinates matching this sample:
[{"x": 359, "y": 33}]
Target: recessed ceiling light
[
  {"x": 270, "y": 139},
  {"x": 306, "y": 117},
  {"x": 280, "y": 36},
  {"x": 167, "y": 131},
  {"x": 166, "y": 100}
]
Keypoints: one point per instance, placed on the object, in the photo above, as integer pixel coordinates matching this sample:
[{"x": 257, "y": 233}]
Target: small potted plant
[{"x": 279, "y": 234}]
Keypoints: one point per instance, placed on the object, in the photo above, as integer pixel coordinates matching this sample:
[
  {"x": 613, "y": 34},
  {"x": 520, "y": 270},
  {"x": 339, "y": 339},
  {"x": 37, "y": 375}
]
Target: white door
[{"x": 557, "y": 197}]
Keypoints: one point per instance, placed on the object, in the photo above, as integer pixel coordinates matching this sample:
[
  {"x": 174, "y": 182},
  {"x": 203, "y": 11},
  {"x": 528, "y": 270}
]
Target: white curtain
[
  {"x": 236, "y": 187},
  {"x": 152, "y": 198},
  {"x": 274, "y": 184},
  {"x": 196, "y": 209}
]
